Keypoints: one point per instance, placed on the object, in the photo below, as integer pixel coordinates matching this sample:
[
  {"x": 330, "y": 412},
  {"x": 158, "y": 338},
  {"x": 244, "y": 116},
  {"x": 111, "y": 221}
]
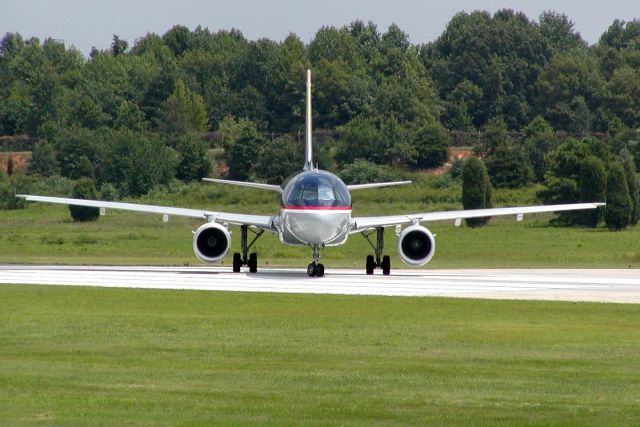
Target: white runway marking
[{"x": 621, "y": 286}]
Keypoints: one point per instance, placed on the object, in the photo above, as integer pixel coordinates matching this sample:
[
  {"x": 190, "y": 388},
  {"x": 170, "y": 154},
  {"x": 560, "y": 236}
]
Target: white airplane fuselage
[{"x": 315, "y": 210}]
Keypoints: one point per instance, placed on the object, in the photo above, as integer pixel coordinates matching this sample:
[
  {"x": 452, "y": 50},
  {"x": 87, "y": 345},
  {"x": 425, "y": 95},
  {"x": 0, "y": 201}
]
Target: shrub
[
  {"x": 9, "y": 187},
  {"x": 619, "y": 206},
  {"x": 476, "y": 189},
  {"x": 43, "y": 160},
  {"x": 632, "y": 182},
  {"x": 364, "y": 172},
  {"x": 108, "y": 192},
  {"x": 592, "y": 185},
  {"x": 84, "y": 189}
]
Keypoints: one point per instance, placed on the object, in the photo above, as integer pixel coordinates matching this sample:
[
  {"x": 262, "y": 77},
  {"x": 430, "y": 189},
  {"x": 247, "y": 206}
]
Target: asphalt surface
[{"x": 619, "y": 286}]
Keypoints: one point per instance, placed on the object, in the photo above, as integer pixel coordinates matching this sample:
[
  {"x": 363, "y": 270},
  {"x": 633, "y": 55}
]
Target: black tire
[
  {"x": 386, "y": 265},
  {"x": 253, "y": 263},
  {"x": 312, "y": 269},
  {"x": 320, "y": 270},
  {"x": 370, "y": 265},
  {"x": 237, "y": 262}
]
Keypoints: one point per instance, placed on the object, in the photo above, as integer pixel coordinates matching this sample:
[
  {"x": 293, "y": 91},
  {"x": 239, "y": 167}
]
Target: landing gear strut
[
  {"x": 242, "y": 259},
  {"x": 315, "y": 269},
  {"x": 383, "y": 262}
]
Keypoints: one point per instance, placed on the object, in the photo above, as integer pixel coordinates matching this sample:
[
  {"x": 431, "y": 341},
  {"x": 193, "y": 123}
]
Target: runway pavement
[{"x": 622, "y": 286}]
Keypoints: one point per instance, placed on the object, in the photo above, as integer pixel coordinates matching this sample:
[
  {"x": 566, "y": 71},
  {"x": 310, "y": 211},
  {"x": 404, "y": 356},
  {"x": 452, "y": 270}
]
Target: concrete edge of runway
[{"x": 596, "y": 285}]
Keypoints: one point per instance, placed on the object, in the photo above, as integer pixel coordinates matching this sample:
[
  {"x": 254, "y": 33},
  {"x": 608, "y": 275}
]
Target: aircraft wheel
[
  {"x": 312, "y": 269},
  {"x": 237, "y": 262},
  {"x": 253, "y": 263},
  {"x": 320, "y": 270},
  {"x": 370, "y": 266},
  {"x": 386, "y": 265}
]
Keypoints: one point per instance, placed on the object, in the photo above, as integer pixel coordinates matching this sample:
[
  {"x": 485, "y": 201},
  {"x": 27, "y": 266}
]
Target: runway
[{"x": 620, "y": 286}]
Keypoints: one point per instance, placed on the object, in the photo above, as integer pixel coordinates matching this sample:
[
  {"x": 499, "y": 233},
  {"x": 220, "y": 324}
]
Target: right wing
[
  {"x": 261, "y": 221},
  {"x": 368, "y": 222}
]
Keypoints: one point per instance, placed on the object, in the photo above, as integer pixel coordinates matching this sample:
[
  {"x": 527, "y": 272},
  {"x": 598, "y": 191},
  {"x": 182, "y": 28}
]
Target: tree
[
  {"x": 592, "y": 187},
  {"x": 130, "y": 117},
  {"x": 619, "y": 205},
  {"x": 84, "y": 170},
  {"x": 431, "y": 141},
  {"x": 575, "y": 174},
  {"x": 74, "y": 144},
  {"x": 509, "y": 166},
  {"x": 182, "y": 112},
  {"x": 569, "y": 90},
  {"x": 84, "y": 189},
  {"x": 356, "y": 142},
  {"x": 559, "y": 32},
  {"x": 241, "y": 143},
  {"x": 633, "y": 184},
  {"x": 119, "y": 46},
  {"x": 476, "y": 189},
  {"x": 279, "y": 159},
  {"x": 194, "y": 162},
  {"x": 135, "y": 161},
  {"x": 538, "y": 140},
  {"x": 500, "y": 56}
]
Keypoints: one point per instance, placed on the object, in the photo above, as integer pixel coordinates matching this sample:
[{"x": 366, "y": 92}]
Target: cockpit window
[{"x": 316, "y": 189}]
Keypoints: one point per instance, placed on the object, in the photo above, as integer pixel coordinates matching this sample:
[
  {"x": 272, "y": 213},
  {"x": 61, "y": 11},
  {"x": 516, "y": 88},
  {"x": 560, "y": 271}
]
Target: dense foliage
[
  {"x": 530, "y": 95},
  {"x": 476, "y": 189},
  {"x": 84, "y": 188},
  {"x": 619, "y": 204}
]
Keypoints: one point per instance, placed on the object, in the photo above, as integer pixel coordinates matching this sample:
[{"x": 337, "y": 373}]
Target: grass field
[
  {"x": 45, "y": 234},
  {"x": 87, "y": 356}
]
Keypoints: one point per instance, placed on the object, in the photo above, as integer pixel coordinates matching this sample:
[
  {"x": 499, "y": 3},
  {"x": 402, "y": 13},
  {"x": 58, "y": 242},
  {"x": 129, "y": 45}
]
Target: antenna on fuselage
[{"x": 308, "y": 157}]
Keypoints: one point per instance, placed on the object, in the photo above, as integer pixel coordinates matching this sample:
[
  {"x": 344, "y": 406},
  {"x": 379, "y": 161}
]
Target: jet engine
[
  {"x": 416, "y": 245},
  {"x": 211, "y": 242}
]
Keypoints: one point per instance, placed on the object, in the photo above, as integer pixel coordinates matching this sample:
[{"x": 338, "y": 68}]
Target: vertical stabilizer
[{"x": 308, "y": 156}]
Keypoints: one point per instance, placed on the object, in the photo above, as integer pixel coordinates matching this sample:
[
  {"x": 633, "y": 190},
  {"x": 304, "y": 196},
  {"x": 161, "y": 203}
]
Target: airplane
[{"x": 316, "y": 211}]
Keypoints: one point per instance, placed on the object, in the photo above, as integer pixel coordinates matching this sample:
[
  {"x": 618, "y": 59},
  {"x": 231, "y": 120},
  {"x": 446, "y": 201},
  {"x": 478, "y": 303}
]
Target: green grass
[
  {"x": 88, "y": 356},
  {"x": 45, "y": 234}
]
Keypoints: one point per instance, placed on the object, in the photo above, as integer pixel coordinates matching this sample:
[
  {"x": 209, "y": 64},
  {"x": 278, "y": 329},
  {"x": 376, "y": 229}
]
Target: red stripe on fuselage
[{"x": 317, "y": 208}]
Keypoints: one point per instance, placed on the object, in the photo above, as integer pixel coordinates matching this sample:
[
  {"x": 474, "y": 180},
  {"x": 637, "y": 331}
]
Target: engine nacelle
[
  {"x": 211, "y": 242},
  {"x": 416, "y": 245}
]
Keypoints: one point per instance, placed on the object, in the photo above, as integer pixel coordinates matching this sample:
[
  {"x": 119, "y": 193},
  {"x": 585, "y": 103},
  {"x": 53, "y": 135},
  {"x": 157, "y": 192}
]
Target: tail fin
[{"x": 308, "y": 157}]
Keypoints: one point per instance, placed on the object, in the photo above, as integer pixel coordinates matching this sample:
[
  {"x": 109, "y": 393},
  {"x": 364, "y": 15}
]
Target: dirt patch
[{"x": 20, "y": 161}]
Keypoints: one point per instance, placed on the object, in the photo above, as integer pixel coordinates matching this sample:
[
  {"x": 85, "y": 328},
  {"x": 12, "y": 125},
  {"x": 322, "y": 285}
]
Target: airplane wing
[
  {"x": 245, "y": 184},
  {"x": 368, "y": 222},
  {"x": 376, "y": 185},
  {"x": 261, "y": 221}
]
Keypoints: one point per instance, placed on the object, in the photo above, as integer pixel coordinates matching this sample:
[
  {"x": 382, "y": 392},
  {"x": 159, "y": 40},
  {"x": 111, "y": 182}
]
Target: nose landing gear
[{"x": 315, "y": 269}]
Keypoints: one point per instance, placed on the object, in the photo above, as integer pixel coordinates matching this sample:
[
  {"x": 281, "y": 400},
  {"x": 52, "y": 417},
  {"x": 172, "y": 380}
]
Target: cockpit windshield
[{"x": 313, "y": 189}]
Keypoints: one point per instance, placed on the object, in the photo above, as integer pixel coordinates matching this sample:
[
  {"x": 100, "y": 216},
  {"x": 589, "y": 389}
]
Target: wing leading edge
[
  {"x": 261, "y": 221},
  {"x": 364, "y": 223}
]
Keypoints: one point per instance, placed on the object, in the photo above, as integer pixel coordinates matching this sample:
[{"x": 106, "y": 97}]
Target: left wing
[
  {"x": 367, "y": 222},
  {"x": 376, "y": 185},
  {"x": 261, "y": 221}
]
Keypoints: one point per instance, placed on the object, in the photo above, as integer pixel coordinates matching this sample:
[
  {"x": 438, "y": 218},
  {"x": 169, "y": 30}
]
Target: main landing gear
[
  {"x": 241, "y": 259},
  {"x": 383, "y": 262},
  {"x": 315, "y": 269}
]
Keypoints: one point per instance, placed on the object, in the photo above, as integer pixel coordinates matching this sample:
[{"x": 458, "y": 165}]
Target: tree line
[{"x": 132, "y": 117}]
